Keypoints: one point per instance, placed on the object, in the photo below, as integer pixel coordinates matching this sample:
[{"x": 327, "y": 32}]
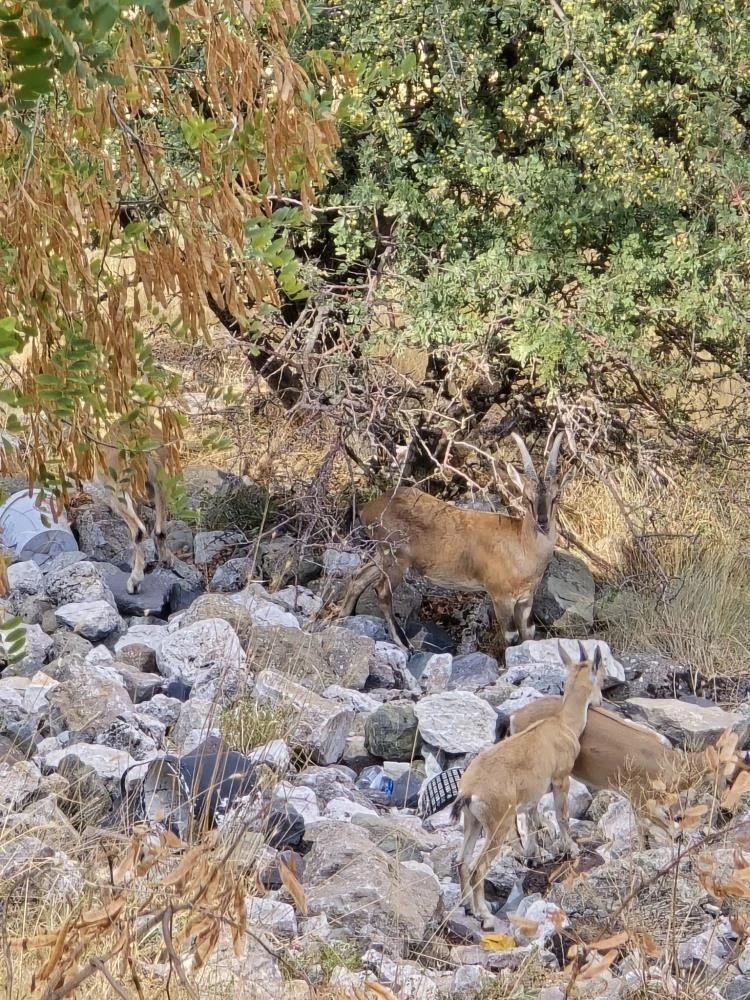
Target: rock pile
[{"x": 109, "y": 682}]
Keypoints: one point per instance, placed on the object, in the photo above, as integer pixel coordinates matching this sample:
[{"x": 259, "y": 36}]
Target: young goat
[
  {"x": 619, "y": 754},
  {"x": 463, "y": 549},
  {"x": 513, "y": 775}
]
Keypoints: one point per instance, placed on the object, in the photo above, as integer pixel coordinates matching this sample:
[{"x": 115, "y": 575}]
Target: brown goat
[
  {"x": 513, "y": 775},
  {"x": 463, "y": 549}
]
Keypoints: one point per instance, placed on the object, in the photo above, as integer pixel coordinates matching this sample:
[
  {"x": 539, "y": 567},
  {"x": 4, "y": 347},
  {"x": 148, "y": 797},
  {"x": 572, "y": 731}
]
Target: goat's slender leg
[
  {"x": 161, "y": 515},
  {"x": 123, "y": 505},
  {"x": 522, "y": 618},
  {"x": 560, "y": 788},
  {"x": 358, "y": 584},
  {"x": 472, "y": 832},
  {"x": 504, "y": 616},
  {"x": 488, "y": 855},
  {"x": 531, "y": 848},
  {"x": 393, "y": 574}
]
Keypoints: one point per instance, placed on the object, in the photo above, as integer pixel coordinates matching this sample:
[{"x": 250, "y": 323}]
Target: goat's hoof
[
  {"x": 488, "y": 923},
  {"x": 511, "y": 638},
  {"x": 133, "y": 586},
  {"x": 571, "y": 850}
]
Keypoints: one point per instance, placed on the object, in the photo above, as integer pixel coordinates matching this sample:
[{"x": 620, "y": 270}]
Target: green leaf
[{"x": 173, "y": 36}]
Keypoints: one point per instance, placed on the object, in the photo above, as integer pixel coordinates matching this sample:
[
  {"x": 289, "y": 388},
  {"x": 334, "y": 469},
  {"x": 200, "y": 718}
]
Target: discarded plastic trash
[
  {"x": 376, "y": 779},
  {"x": 202, "y": 790},
  {"x": 31, "y": 531}
]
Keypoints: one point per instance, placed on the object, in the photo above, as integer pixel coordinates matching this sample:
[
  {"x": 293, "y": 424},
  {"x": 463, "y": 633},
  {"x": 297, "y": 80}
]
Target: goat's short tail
[{"x": 458, "y": 806}]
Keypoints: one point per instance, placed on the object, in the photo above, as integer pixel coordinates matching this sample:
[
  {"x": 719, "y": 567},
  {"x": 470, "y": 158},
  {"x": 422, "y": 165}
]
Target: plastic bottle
[{"x": 375, "y": 778}]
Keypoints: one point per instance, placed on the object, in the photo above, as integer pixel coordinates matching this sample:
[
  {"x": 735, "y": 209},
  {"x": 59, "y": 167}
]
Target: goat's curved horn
[
  {"x": 554, "y": 455},
  {"x": 528, "y": 465},
  {"x": 582, "y": 652}
]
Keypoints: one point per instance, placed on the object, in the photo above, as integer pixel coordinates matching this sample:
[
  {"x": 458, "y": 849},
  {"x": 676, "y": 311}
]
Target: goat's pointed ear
[
  {"x": 597, "y": 664},
  {"x": 565, "y": 656},
  {"x": 515, "y": 476},
  {"x": 582, "y": 656}
]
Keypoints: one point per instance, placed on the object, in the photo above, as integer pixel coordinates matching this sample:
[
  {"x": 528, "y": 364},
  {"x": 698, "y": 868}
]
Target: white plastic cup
[{"x": 32, "y": 532}]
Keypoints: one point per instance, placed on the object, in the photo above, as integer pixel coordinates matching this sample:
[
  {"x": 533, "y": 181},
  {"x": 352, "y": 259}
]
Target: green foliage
[
  {"x": 12, "y": 641},
  {"x": 570, "y": 187}
]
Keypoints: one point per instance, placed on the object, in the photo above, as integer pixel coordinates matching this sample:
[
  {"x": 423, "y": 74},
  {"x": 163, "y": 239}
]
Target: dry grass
[
  {"x": 245, "y": 724},
  {"x": 680, "y": 570}
]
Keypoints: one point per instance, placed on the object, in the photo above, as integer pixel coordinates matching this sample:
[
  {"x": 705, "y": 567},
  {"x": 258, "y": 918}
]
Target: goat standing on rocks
[
  {"x": 516, "y": 773},
  {"x": 463, "y": 549}
]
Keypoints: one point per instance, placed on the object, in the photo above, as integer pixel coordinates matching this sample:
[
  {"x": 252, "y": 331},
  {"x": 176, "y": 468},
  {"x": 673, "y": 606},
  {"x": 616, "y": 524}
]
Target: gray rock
[
  {"x": 154, "y": 597},
  {"x": 31, "y": 871},
  {"x": 521, "y": 697},
  {"x": 101, "y": 533},
  {"x": 565, "y": 596},
  {"x": 198, "y": 714},
  {"x": 737, "y": 988},
  {"x": 407, "y": 600},
  {"x": 162, "y": 708},
  {"x": 357, "y": 701},
  {"x": 299, "y": 600},
  {"x": 125, "y": 734},
  {"x": 322, "y": 727},
  {"x": 63, "y": 560},
  {"x": 355, "y": 884},
  {"x": 180, "y": 539},
  {"x": 87, "y": 800},
  {"x": 231, "y": 575},
  {"x": 205, "y": 653},
  {"x": 472, "y": 672},
  {"x": 32, "y": 609},
  {"x": 263, "y": 610},
  {"x": 109, "y": 764},
  {"x": 79, "y": 581},
  {"x": 19, "y": 784},
  {"x": 253, "y": 974},
  {"x": 144, "y": 634},
  {"x": 65, "y": 643},
  {"x": 275, "y": 754},
  {"x": 366, "y": 625},
  {"x": 706, "y": 952},
  {"x": 139, "y": 685},
  {"x": 212, "y": 547},
  {"x": 456, "y": 721},
  {"x": 89, "y": 707},
  {"x": 25, "y": 577},
  {"x": 272, "y": 915},
  {"x": 619, "y": 824},
  {"x": 37, "y": 650},
  {"x": 687, "y": 725},
  {"x": 434, "y": 670},
  {"x": 317, "y": 659},
  {"x": 94, "y": 620},
  {"x": 537, "y": 663},
  {"x": 282, "y": 561},
  {"x": 652, "y": 676},
  {"x": 391, "y": 732},
  {"x": 340, "y": 563}
]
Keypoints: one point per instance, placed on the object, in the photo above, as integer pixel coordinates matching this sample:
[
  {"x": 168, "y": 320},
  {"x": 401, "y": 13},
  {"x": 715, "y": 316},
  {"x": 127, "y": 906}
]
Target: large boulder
[
  {"x": 456, "y": 722},
  {"x": 206, "y": 655},
  {"x": 321, "y": 727},
  {"x": 80, "y": 581},
  {"x": 316, "y": 660},
  {"x": 94, "y": 620},
  {"x": 360, "y": 887},
  {"x": 565, "y": 596},
  {"x": 688, "y": 725},
  {"x": 391, "y": 732}
]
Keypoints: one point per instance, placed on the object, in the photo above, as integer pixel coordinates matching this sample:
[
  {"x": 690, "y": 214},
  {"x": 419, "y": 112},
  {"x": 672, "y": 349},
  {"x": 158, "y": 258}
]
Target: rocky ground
[{"x": 109, "y": 681}]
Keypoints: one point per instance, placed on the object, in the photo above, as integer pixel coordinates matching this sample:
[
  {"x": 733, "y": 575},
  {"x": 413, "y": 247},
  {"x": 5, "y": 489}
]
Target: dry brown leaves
[
  {"x": 103, "y": 940},
  {"x": 97, "y": 160}
]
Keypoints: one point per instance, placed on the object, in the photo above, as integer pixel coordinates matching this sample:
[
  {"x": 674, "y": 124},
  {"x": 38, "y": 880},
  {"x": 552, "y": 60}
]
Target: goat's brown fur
[
  {"x": 513, "y": 775},
  {"x": 120, "y": 500},
  {"x": 463, "y": 549},
  {"x": 618, "y": 754}
]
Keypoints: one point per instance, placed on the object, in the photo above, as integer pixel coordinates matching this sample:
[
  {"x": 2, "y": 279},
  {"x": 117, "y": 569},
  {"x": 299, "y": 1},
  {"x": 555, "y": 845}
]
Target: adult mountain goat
[{"x": 463, "y": 549}]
